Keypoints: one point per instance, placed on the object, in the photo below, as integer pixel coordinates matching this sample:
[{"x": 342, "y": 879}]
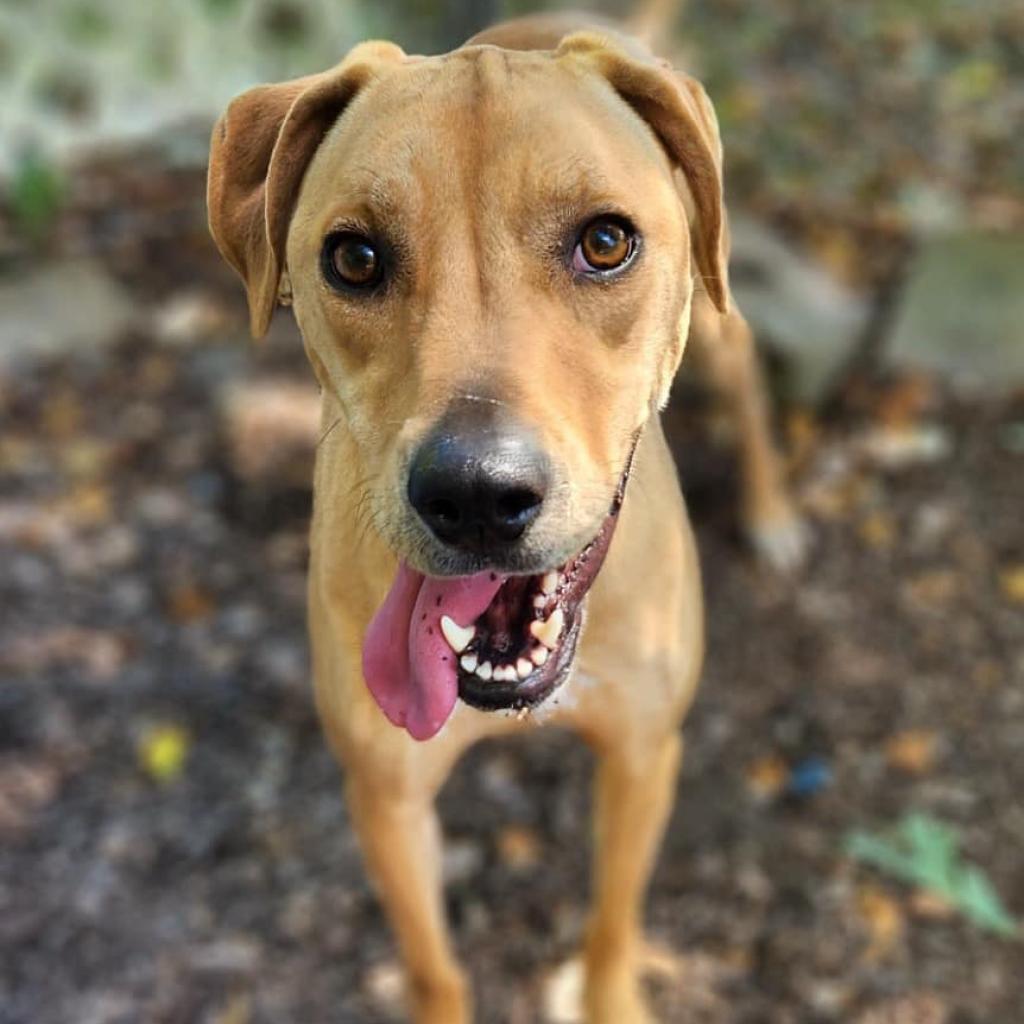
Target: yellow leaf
[
  {"x": 877, "y": 531},
  {"x": 163, "y": 751},
  {"x": 883, "y": 920},
  {"x": 88, "y": 504},
  {"x": 1012, "y": 582}
]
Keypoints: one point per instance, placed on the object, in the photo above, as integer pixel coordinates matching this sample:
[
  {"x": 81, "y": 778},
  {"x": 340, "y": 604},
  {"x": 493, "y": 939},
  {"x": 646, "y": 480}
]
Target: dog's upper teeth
[
  {"x": 539, "y": 655},
  {"x": 485, "y": 671},
  {"x": 539, "y": 601},
  {"x": 458, "y": 637},
  {"x": 468, "y": 662},
  {"x": 549, "y": 583},
  {"x": 524, "y": 667},
  {"x": 547, "y": 630}
]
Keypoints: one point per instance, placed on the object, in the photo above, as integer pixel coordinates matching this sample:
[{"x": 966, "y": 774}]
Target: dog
[{"x": 495, "y": 258}]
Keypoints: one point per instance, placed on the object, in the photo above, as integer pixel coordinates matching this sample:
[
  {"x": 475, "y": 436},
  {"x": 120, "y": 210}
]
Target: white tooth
[
  {"x": 524, "y": 667},
  {"x": 549, "y": 584},
  {"x": 485, "y": 671},
  {"x": 547, "y": 630},
  {"x": 458, "y": 637},
  {"x": 539, "y": 601},
  {"x": 508, "y": 674},
  {"x": 539, "y": 655},
  {"x": 468, "y": 662}
]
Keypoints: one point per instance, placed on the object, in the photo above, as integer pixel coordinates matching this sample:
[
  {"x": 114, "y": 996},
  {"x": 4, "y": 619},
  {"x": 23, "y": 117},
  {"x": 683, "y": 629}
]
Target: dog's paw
[{"x": 781, "y": 542}]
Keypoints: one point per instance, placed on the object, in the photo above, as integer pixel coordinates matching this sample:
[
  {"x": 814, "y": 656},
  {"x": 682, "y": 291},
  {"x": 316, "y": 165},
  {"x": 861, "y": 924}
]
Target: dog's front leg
[
  {"x": 633, "y": 797},
  {"x": 401, "y": 840}
]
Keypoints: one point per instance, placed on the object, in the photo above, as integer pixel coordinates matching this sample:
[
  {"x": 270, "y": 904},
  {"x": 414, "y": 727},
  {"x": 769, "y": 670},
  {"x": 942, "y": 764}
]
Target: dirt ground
[{"x": 175, "y": 846}]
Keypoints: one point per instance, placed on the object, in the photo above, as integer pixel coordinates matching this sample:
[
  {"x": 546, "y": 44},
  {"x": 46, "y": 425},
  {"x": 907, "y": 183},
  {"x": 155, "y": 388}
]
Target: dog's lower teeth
[
  {"x": 485, "y": 671},
  {"x": 524, "y": 667},
  {"x": 458, "y": 637},
  {"x": 548, "y": 630},
  {"x": 539, "y": 655},
  {"x": 469, "y": 662}
]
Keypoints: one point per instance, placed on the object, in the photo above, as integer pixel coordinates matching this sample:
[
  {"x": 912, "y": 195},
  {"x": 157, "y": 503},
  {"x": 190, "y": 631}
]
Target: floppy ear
[
  {"x": 259, "y": 152},
  {"x": 678, "y": 110}
]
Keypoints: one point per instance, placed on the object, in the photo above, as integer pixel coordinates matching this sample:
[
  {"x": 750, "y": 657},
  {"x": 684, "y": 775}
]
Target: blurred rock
[
  {"x": 235, "y": 955},
  {"x": 190, "y": 317},
  {"x": 563, "y": 994},
  {"x": 272, "y": 426},
  {"x": 794, "y": 305},
  {"x": 385, "y": 985},
  {"x": 463, "y": 858},
  {"x": 962, "y": 312},
  {"x": 922, "y": 1008},
  {"x": 60, "y": 307}
]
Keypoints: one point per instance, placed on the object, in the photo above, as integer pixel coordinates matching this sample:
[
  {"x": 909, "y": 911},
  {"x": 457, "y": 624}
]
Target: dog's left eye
[
  {"x": 351, "y": 261},
  {"x": 605, "y": 245}
]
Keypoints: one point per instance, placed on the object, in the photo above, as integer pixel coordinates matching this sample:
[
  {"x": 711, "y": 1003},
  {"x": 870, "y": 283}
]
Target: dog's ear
[
  {"x": 680, "y": 114},
  {"x": 259, "y": 152}
]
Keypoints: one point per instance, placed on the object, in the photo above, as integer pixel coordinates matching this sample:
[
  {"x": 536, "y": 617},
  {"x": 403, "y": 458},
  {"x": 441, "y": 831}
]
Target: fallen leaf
[
  {"x": 904, "y": 402},
  {"x": 26, "y": 784},
  {"x": 883, "y": 920},
  {"x": 62, "y": 415},
  {"x": 98, "y": 653},
  {"x": 519, "y": 847},
  {"x": 921, "y": 1008},
  {"x": 933, "y": 589},
  {"x": 878, "y": 531},
  {"x": 767, "y": 777},
  {"x": 163, "y": 751},
  {"x": 1011, "y": 580},
  {"x": 189, "y": 603},
  {"x": 802, "y": 435},
  {"x": 88, "y": 504},
  {"x": 900, "y": 448},
  {"x": 926, "y": 903},
  {"x": 912, "y": 751},
  {"x": 85, "y": 458},
  {"x": 237, "y": 1010}
]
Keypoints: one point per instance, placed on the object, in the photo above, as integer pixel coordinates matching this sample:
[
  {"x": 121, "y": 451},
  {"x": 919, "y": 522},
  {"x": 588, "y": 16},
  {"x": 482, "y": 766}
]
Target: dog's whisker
[{"x": 323, "y": 437}]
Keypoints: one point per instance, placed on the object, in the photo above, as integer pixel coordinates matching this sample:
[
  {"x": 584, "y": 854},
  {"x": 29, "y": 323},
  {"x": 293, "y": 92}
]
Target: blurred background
[{"x": 847, "y": 841}]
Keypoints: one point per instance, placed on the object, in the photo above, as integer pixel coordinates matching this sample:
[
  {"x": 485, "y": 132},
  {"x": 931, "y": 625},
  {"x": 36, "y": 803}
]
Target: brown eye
[
  {"x": 606, "y": 244},
  {"x": 351, "y": 261}
]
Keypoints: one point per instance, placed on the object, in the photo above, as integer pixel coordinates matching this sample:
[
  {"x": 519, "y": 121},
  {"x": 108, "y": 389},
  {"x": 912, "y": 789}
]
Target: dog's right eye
[{"x": 351, "y": 261}]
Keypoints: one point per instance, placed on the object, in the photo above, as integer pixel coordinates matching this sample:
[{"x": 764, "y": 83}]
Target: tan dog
[{"x": 495, "y": 258}]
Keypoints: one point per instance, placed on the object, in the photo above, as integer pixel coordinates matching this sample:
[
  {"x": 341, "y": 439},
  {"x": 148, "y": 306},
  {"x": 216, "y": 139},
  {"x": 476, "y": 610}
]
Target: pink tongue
[{"x": 407, "y": 664}]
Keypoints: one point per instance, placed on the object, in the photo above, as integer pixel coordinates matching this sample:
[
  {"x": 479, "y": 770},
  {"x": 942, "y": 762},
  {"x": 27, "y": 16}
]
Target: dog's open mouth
[
  {"x": 518, "y": 651},
  {"x": 497, "y": 641}
]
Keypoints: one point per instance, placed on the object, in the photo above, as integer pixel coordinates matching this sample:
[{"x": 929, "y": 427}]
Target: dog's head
[{"x": 491, "y": 256}]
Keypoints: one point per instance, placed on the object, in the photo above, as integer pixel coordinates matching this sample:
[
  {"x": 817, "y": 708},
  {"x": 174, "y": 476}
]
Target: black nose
[{"x": 479, "y": 479}]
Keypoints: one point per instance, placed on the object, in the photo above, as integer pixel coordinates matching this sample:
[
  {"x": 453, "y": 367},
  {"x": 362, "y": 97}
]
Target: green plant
[{"x": 925, "y": 852}]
